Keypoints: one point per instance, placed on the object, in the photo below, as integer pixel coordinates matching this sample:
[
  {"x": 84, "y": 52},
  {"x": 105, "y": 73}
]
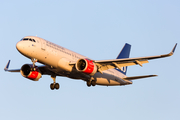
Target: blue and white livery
[{"x": 59, "y": 61}]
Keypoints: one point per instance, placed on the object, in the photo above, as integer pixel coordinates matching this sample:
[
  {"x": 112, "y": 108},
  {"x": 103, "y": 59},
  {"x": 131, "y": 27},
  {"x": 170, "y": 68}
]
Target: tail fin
[{"x": 125, "y": 52}]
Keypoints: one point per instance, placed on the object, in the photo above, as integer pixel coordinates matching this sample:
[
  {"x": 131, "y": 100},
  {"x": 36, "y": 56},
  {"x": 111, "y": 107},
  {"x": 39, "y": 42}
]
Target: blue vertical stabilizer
[{"x": 125, "y": 52}]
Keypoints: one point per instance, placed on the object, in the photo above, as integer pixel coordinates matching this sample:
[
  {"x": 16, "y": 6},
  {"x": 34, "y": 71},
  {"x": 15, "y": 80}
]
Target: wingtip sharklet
[
  {"x": 173, "y": 50},
  {"x": 7, "y": 66},
  {"x": 171, "y": 53}
]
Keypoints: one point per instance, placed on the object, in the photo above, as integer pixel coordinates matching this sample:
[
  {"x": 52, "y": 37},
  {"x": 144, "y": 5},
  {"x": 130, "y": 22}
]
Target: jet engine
[
  {"x": 30, "y": 72},
  {"x": 86, "y": 66}
]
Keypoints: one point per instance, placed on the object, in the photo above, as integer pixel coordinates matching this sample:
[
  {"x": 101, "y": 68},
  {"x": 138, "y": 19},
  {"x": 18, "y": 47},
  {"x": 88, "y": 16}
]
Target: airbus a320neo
[{"x": 59, "y": 61}]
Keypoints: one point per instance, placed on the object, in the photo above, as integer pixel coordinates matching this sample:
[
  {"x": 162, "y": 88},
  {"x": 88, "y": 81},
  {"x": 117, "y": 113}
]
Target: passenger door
[{"x": 43, "y": 45}]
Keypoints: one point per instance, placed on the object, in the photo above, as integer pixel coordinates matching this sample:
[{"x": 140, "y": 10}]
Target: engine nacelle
[
  {"x": 28, "y": 72},
  {"x": 86, "y": 66}
]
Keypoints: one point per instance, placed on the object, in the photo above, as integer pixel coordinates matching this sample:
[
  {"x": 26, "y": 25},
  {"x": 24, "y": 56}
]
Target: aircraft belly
[{"x": 105, "y": 79}]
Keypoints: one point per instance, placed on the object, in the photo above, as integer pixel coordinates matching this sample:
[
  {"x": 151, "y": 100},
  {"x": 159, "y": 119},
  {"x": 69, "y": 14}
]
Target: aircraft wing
[
  {"x": 7, "y": 68},
  {"x": 45, "y": 70},
  {"x": 119, "y": 63}
]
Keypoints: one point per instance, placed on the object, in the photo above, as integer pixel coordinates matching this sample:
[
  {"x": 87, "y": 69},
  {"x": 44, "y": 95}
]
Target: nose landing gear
[
  {"x": 34, "y": 60},
  {"x": 53, "y": 85}
]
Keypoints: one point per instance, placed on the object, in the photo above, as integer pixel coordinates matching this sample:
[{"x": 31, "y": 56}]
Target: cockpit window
[
  {"x": 28, "y": 39},
  {"x": 25, "y": 39}
]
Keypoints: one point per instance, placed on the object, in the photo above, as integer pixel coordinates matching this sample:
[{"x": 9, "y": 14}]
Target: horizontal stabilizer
[{"x": 138, "y": 77}]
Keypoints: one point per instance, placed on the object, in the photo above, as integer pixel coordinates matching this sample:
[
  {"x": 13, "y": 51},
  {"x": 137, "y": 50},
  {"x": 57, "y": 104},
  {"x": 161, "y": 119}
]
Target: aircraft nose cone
[{"x": 19, "y": 46}]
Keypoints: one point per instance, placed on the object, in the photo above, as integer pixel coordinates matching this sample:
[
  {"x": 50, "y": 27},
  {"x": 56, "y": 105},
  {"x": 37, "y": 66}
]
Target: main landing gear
[
  {"x": 54, "y": 85},
  {"x": 91, "y": 82}
]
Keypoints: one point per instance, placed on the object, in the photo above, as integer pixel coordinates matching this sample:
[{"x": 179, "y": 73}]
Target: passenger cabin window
[{"x": 28, "y": 39}]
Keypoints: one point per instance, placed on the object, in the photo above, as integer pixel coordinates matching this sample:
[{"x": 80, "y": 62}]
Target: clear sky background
[{"x": 97, "y": 29}]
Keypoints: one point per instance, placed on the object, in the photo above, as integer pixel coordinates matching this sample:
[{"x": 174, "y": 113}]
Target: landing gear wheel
[
  {"x": 52, "y": 86},
  {"x": 89, "y": 83},
  {"x": 33, "y": 69},
  {"x": 93, "y": 82},
  {"x": 56, "y": 86}
]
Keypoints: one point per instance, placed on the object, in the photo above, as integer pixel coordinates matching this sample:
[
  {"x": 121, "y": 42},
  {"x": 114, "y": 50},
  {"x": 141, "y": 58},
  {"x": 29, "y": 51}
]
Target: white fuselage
[{"x": 58, "y": 57}]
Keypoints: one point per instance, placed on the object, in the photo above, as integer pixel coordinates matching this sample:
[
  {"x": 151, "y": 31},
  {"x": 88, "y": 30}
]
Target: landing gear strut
[
  {"x": 34, "y": 60},
  {"x": 54, "y": 85}
]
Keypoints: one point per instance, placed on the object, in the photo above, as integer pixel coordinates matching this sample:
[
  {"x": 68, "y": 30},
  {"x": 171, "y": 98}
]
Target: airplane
[{"x": 59, "y": 61}]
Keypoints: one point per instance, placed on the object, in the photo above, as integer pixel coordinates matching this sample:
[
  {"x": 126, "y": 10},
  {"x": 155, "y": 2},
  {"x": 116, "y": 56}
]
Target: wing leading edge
[
  {"x": 7, "y": 68},
  {"x": 118, "y": 63},
  {"x": 44, "y": 69}
]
